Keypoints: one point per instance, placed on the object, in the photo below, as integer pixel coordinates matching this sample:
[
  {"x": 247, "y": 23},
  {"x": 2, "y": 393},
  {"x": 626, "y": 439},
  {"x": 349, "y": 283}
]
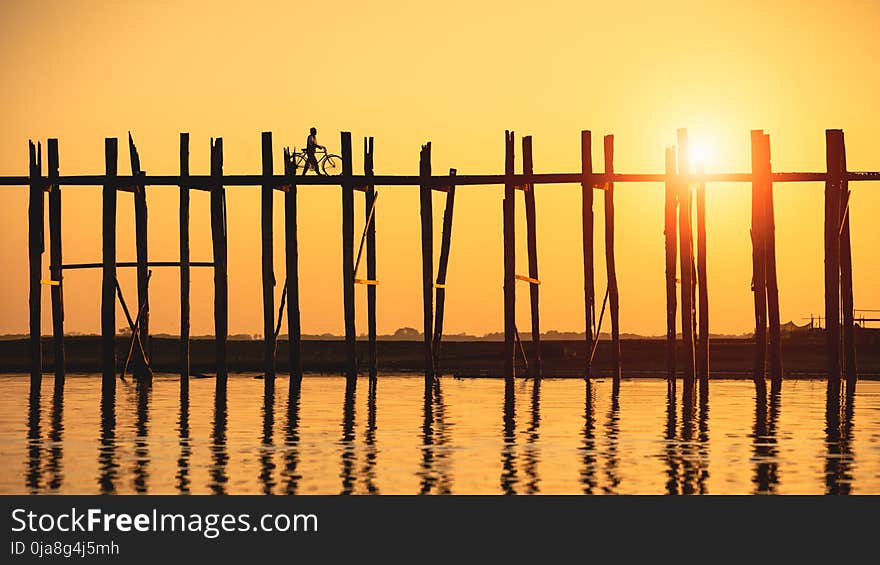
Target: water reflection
[
  {"x": 369, "y": 470},
  {"x": 612, "y": 431},
  {"x": 347, "y": 442},
  {"x": 140, "y": 473},
  {"x": 267, "y": 447},
  {"x": 183, "y": 480},
  {"x": 839, "y": 456},
  {"x": 531, "y": 450},
  {"x": 291, "y": 442},
  {"x": 508, "y": 435},
  {"x": 603, "y": 438},
  {"x": 220, "y": 457},
  {"x": 766, "y": 477},
  {"x": 56, "y": 439},
  {"x": 434, "y": 470},
  {"x": 588, "y": 449},
  {"x": 108, "y": 468},
  {"x": 686, "y": 448},
  {"x": 33, "y": 477}
]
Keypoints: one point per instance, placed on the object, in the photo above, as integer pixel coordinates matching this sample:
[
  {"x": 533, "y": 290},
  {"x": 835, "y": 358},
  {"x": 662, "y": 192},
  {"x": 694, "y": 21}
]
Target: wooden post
[
  {"x": 611, "y": 268},
  {"x": 509, "y": 258},
  {"x": 427, "y": 223},
  {"x": 833, "y": 138},
  {"x": 55, "y": 265},
  {"x": 687, "y": 259},
  {"x": 669, "y": 231},
  {"x": 846, "y": 282},
  {"x": 184, "y": 258},
  {"x": 759, "y": 274},
  {"x": 702, "y": 284},
  {"x": 370, "y": 218},
  {"x": 587, "y": 229},
  {"x": 769, "y": 234},
  {"x": 140, "y": 223},
  {"x": 291, "y": 255},
  {"x": 348, "y": 258},
  {"x": 221, "y": 282},
  {"x": 268, "y": 255},
  {"x": 36, "y": 246},
  {"x": 108, "y": 275},
  {"x": 445, "y": 243},
  {"x": 532, "y": 238}
]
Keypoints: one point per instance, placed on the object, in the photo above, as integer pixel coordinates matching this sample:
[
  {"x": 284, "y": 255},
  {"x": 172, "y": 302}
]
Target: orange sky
[{"x": 458, "y": 74}]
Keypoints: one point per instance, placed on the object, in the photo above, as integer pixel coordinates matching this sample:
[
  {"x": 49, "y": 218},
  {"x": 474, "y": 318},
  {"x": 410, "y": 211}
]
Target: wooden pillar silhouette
[
  {"x": 834, "y": 164},
  {"x": 846, "y": 282},
  {"x": 687, "y": 259},
  {"x": 702, "y": 284},
  {"x": 55, "y": 270},
  {"x": 427, "y": 224},
  {"x": 351, "y": 369},
  {"x": 532, "y": 241},
  {"x": 610, "y": 263},
  {"x": 509, "y": 257},
  {"x": 759, "y": 273},
  {"x": 440, "y": 293},
  {"x": 587, "y": 240},
  {"x": 221, "y": 281},
  {"x": 184, "y": 258},
  {"x": 140, "y": 228},
  {"x": 370, "y": 219},
  {"x": 291, "y": 256},
  {"x": 36, "y": 247},
  {"x": 670, "y": 234},
  {"x": 769, "y": 233},
  {"x": 108, "y": 273},
  {"x": 268, "y": 255}
]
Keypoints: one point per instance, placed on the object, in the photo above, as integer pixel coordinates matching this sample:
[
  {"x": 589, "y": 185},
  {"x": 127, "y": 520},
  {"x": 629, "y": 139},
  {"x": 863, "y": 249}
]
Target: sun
[{"x": 701, "y": 153}]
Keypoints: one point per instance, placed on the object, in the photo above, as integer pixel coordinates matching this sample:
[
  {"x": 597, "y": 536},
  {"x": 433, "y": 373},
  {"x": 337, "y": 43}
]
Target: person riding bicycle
[{"x": 311, "y": 147}]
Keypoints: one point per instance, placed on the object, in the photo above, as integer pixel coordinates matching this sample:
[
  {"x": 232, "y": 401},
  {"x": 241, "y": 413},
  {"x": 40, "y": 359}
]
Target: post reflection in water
[
  {"x": 220, "y": 457},
  {"x": 588, "y": 473},
  {"x": 267, "y": 447},
  {"x": 434, "y": 470},
  {"x": 839, "y": 455},
  {"x": 140, "y": 473},
  {"x": 33, "y": 479},
  {"x": 703, "y": 438},
  {"x": 612, "y": 432},
  {"x": 766, "y": 477},
  {"x": 183, "y": 480},
  {"x": 56, "y": 439},
  {"x": 670, "y": 444},
  {"x": 508, "y": 449},
  {"x": 369, "y": 469},
  {"x": 531, "y": 451},
  {"x": 686, "y": 449},
  {"x": 107, "y": 466},
  {"x": 347, "y": 441},
  {"x": 291, "y": 441}
]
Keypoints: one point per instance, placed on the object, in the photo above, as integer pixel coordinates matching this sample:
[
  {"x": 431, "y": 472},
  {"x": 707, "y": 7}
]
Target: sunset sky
[{"x": 457, "y": 74}]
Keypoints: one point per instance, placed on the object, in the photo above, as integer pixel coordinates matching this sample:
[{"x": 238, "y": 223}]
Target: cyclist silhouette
[{"x": 311, "y": 147}]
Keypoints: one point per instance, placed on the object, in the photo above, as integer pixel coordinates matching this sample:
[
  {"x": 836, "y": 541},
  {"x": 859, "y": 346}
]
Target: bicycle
[{"x": 329, "y": 164}]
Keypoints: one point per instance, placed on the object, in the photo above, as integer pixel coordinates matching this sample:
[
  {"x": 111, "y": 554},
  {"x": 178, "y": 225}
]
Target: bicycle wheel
[
  {"x": 331, "y": 165},
  {"x": 300, "y": 161}
]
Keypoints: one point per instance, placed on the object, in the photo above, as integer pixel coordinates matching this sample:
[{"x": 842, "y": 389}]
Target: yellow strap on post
[
  {"x": 529, "y": 280},
  {"x": 366, "y": 282},
  {"x": 438, "y": 285},
  {"x": 48, "y": 282}
]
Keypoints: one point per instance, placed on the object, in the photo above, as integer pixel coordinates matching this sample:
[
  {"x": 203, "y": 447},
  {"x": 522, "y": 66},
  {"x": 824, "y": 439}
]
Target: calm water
[{"x": 470, "y": 436}]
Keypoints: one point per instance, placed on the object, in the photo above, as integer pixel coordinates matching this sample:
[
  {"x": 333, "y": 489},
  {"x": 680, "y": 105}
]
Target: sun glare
[{"x": 701, "y": 153}]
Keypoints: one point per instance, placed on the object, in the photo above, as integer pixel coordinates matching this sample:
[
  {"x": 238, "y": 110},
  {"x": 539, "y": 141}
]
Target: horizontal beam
[
  {"x": 134, "y": 264},
  {"x": 206, "y": 182}
]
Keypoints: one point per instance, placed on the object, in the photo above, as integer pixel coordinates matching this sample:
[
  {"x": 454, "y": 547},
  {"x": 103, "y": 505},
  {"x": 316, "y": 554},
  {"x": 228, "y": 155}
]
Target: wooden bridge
[{"x": 684, "y": 256}]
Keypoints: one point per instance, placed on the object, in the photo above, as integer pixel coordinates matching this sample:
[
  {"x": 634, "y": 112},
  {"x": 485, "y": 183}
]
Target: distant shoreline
[{"x": 803, "y": 356}]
